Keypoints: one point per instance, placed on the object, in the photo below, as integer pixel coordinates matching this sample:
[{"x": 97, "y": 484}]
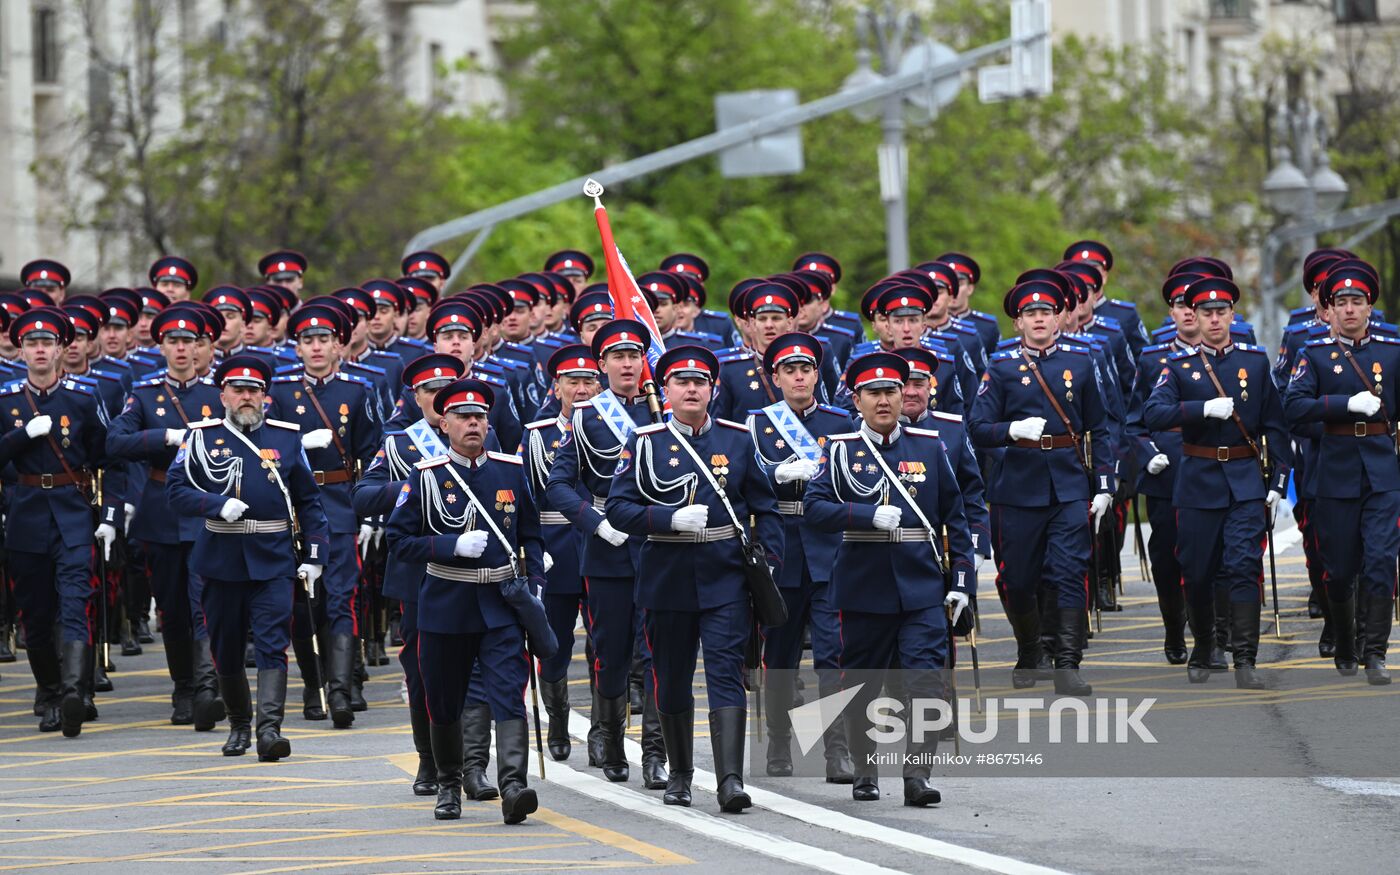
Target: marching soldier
[
  {"x": 47, "y": 276},
  {"x": 428, "y": 266},
  {"x": 174, "y": 277},
  {"x": 247, "y": 478},
  {"x": 585, "y": 463},
  {"x": 573, "y": 265},
  {"x": 149, "y": 430},
  {"x": 790, "y": 437},
  {"x": 688, "y": 486},
  {"x": 340, "y": 434},
  {"x": 285, "y": 268},
  {"x": 969, "y": 275},
  {"x": 56, "y": 442},
  {"x": 391, "y": 305},
  {"x": 1222, "y": 397},
  {"x": 1099, "y": 256},
  {"x": 574, "y": 372},
  {"x": 1040, "y": 406},
  {"x": 1346, "y": 383},
  {"x": 890, "y": 580},
  {"x": 463, "y": 617}
]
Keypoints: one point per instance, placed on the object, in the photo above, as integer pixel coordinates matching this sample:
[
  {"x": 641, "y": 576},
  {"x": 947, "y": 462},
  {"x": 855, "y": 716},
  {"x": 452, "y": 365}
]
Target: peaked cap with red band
[
  {"x": 174, "y": 269},
  {"x": 432, "y": 371},
  {"x": 877, "y": 370},
  {"x": 794, "y": 346},
  {"x": 573, "y": 360},
  {"x": 466, "y": 395},
  {"x": 687, "y": 361},
  {"x": 426, "y": 263}
]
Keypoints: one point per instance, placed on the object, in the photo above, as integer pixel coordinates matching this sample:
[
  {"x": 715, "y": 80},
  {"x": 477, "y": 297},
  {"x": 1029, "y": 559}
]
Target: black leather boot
[
  {"x": 1223, "y": 644},
  {"x": 839, "y": 769},
  {"x": 779, "y": 688},
  {"x": 865, "y": 785},
  {"x": 358, "y": 678},
  {"x": 305, "y": 653},
  {"x": 918, "y": 792},
  {"x": 238, "y": 701},
  {"x": 446, "y": 742},
  {"x": 1173, "y": 608},
  {"x": 1377, "y": 624},
  {"x": 1344, "y": 627},
  {"x": 636, "y": 689},
  {"x": 208, "y": 707},
  {"x": 1314, "y": 605},
  {"x": 272, "y": 702},
  {"x": 555, "y": 695},
  {"x": 425, "y": 783},
  {"x": 1327, "y": 640},
  {"x": 101, "y": 683},
  {"x": 143, "y": 631},
  {"x": 476, "y": 752},
  {"x": 653, "y": 747},
  {"x": 1202, "y": 623},
  {"x": 612, "y": 717},
  {"x": 512, "y": 764},
  {"x": 130, "y": 646},
  {"x": 179, "y": 661},
  {"x": 678, "y": 730},
  {"x": 7, "y": 650},
  {"x": 727, "y": 744},
  {"x": 1072, "y": 623},
  {"x": 339, "y": 668},
  {"x": 75, "y": 664},
  {"x": 1029, "y": 649},
  {"x": 48, "y": 682},
  {"x": 1244, "y": 632}
]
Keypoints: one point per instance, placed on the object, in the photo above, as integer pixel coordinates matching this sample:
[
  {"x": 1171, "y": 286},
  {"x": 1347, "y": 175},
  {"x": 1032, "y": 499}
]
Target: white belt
[
  {"x": 471, "y": 575},
  {"x": 245, "y": 527},
  {"x": 790, "y": 508},
  {"x": 600, "y": 503},
  {"x": 883, "y": 536},
  {"x": 553, "y": 518},
  {"x": 717, "y": 533}
]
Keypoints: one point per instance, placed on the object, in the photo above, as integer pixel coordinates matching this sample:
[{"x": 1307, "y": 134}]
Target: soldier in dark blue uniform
[
  {"x": 690, "y": 573},
  {"x": 1223, "y": 398},
  {"x": 1346, "y": 384},
  {"x": 248, "y": 479},
  {"x": 575, "y": 266},
  {"x": 422, "y": 295},
  {"x": 48, "y": 276},
  {"x": 173, "y": 276},
  {"x": 889, "y": 579},
  {"x": 574, "y": 372},
  {"x": 56, "y": 441},
  {"x": 154, "y": 423},
  {"x": 790, "y": 437},
  {"x": 771, "y": 309},
  {"x": 391, "y": 304},
  {"x": 584, "y": 463},
  {"x": 812, "y": 318},
  {"x": 1098, "y": 255},
  {"x": 969, "y": 275},
  {"x": 340, "y": 433},
  {"x": 939, "y": 322},
  {"x": 1041, "y": 407},
  {"x": 284, "y": 267},
  {"x": 828, "y": 265},
  {"x": 469, "y": 515}
]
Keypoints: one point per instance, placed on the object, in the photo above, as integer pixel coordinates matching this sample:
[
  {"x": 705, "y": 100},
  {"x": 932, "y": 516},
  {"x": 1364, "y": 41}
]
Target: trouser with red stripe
[{"x": 449, "y": 663}]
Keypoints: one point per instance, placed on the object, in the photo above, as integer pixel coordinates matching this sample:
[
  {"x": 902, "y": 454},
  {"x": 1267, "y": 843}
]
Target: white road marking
[
  {"x": 1353, "y": 787},
  {"x": 844, "y": 823}
]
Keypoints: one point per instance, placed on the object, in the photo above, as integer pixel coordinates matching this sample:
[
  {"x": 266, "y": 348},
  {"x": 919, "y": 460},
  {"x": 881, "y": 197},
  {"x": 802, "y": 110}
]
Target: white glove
[
  {"x": 316, "y": 440},
  {"x": 958, "y": 602},
  {"x": 470, "y": 545},
  {"x": 1158, "y": 463},
  {"x": 1364, "y": 403},
  {"x": 887, "y": 517},
  {"x": 233, "y": 510},
  {"x": 797, "y": 469},
  {"x": 1099, "y": 506},
  {"x": 366, "y": 539},
  {"x": 173, "y": 436},
  {"x": 39, "y": 426},
  {"x": 312, "y": 573},
  {"x": 690, "y": 519},
  {"x": 106, "y": 534},
  {"x": 606, "y": 531},
  {"x": 1271, "y": 502},
  {"x": 1027, "y": 429},
  {"x": 548, "y": 562},
  {"x": 129, "y": 511},
  {"x": 1219, "y": 408},
  {"x": 379, "y": 537}
]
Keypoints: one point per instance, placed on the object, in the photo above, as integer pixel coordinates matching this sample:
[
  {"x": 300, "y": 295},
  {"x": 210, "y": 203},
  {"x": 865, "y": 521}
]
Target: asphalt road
[{"x": 134, "y": 790}]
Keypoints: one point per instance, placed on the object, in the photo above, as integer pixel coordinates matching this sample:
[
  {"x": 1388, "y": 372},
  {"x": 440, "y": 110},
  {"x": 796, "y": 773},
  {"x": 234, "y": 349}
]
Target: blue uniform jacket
[
  {"x": 213, "y": 466},
  {"x": 647, "y": 491},
  {"x": 804, "y": 545},
  {"x": 1178, "y": 399},
  {"x": 564, "y": 542},
  {"x": 1323, "y": 380},
  {"x": 432, "y": 509},
  {"x": 1144, "y": 442},
  {"x": 1026, "y": 477},
  {"x": 1126, "y": 314},
  {"x": 374, "y": 495},
  {"x": 349, "y": 406},
  {"x": 951, "y": 429},
  {"x": 138, "y": 435},
  {"x": 884, "y": 577}
]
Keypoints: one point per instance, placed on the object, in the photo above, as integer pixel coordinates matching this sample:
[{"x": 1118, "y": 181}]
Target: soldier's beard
[{"x": 246, "y": 419}]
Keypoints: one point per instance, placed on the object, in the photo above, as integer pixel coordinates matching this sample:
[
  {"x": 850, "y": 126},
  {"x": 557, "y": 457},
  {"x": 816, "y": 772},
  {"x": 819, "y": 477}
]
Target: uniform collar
[
  {"x": 809, "y": 410},
  {"x": 177, "y": 384},
  {"x": 1040, "y": 353},
  {"x": 1216, "y": 353},
  {"x": 881, "y": 440},
  {"x": 44, "y": 393},
  {"x": 1180, "y": 345},
  {"x": 692, "y": 432},
  {"x": 1355, "y": 344},
  {"x": 384, "y": 347},
  {"x": 904, "y": 420},
  {"x": 463, "y": 460},
  {"x": 319, "y": 382},
  {"x": 1103, "y": 299},
  {"x": 231, "y": 426}
]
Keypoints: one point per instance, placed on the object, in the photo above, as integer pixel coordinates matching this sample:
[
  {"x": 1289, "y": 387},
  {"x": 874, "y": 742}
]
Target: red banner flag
[{"x": 628, "y": 300}]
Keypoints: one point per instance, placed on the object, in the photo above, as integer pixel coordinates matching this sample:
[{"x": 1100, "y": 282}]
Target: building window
[
  {"x": 1356, "y": 11},
  {"x": 46, "y": 45}
]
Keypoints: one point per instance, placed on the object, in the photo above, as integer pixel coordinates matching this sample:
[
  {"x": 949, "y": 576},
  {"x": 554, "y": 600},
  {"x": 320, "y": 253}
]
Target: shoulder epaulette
[
  {"x": 149, "y": 381},
  {"x": 205, "y": 423},
  {"x": 580, "y": 405},
  {"x": 1078, "y": 349},
  {"x": 1249, "y": 347},
  {"x": 923, "y": 432},
  {"x": 839, "y": 329},
  {"x": 540, "y": 423},
  {"x": 653, "y": 428},
  {"x": 373, "y": 369},
  {"x": 1004, "y": 355},
  {"x": 1385, "y": 338},
  {"x": 726, "y": 356},
  {"x": 848, "y": 436},
  {"x": 1297, "y": 327},
  {"x": 11, "y": 388},
  {"x": 1385, "y": 326},
  {"x": 395, "y": 432},
  {"x": 287, "y": 378},
  {"x": 1300, "y": 310},
  {"x": 1006, "y": 343},
  {"x": 114, "y": 361},
  {"x": 431, "y": 463},
  {"x": 1321, "y": 341},
  {"x": 505, "y": 457},
  {"x": 1109, "y": 322},
  {"x": 1131, "y": 305},
  {"x": 516, "y": 347},
  {"x": 831, "y": 408},
  {"x": 352, "y": 378},
  {"x": 277, "y": 423},
  {"x": 493, "y": 380},
  {"x": 987, "y": 317},
  {"x": 950, "y": 417},
  {"x": 734, "y": 425},
  {"x": 75, "y": 385},
  {"x": 1183, "y": 354},
  {"x": 1156, "y": 347}
]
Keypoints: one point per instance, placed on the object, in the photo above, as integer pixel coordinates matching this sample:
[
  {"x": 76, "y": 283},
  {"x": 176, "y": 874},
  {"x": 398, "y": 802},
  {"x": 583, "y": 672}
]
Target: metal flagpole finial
[{"x": 594, "y": 189}]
